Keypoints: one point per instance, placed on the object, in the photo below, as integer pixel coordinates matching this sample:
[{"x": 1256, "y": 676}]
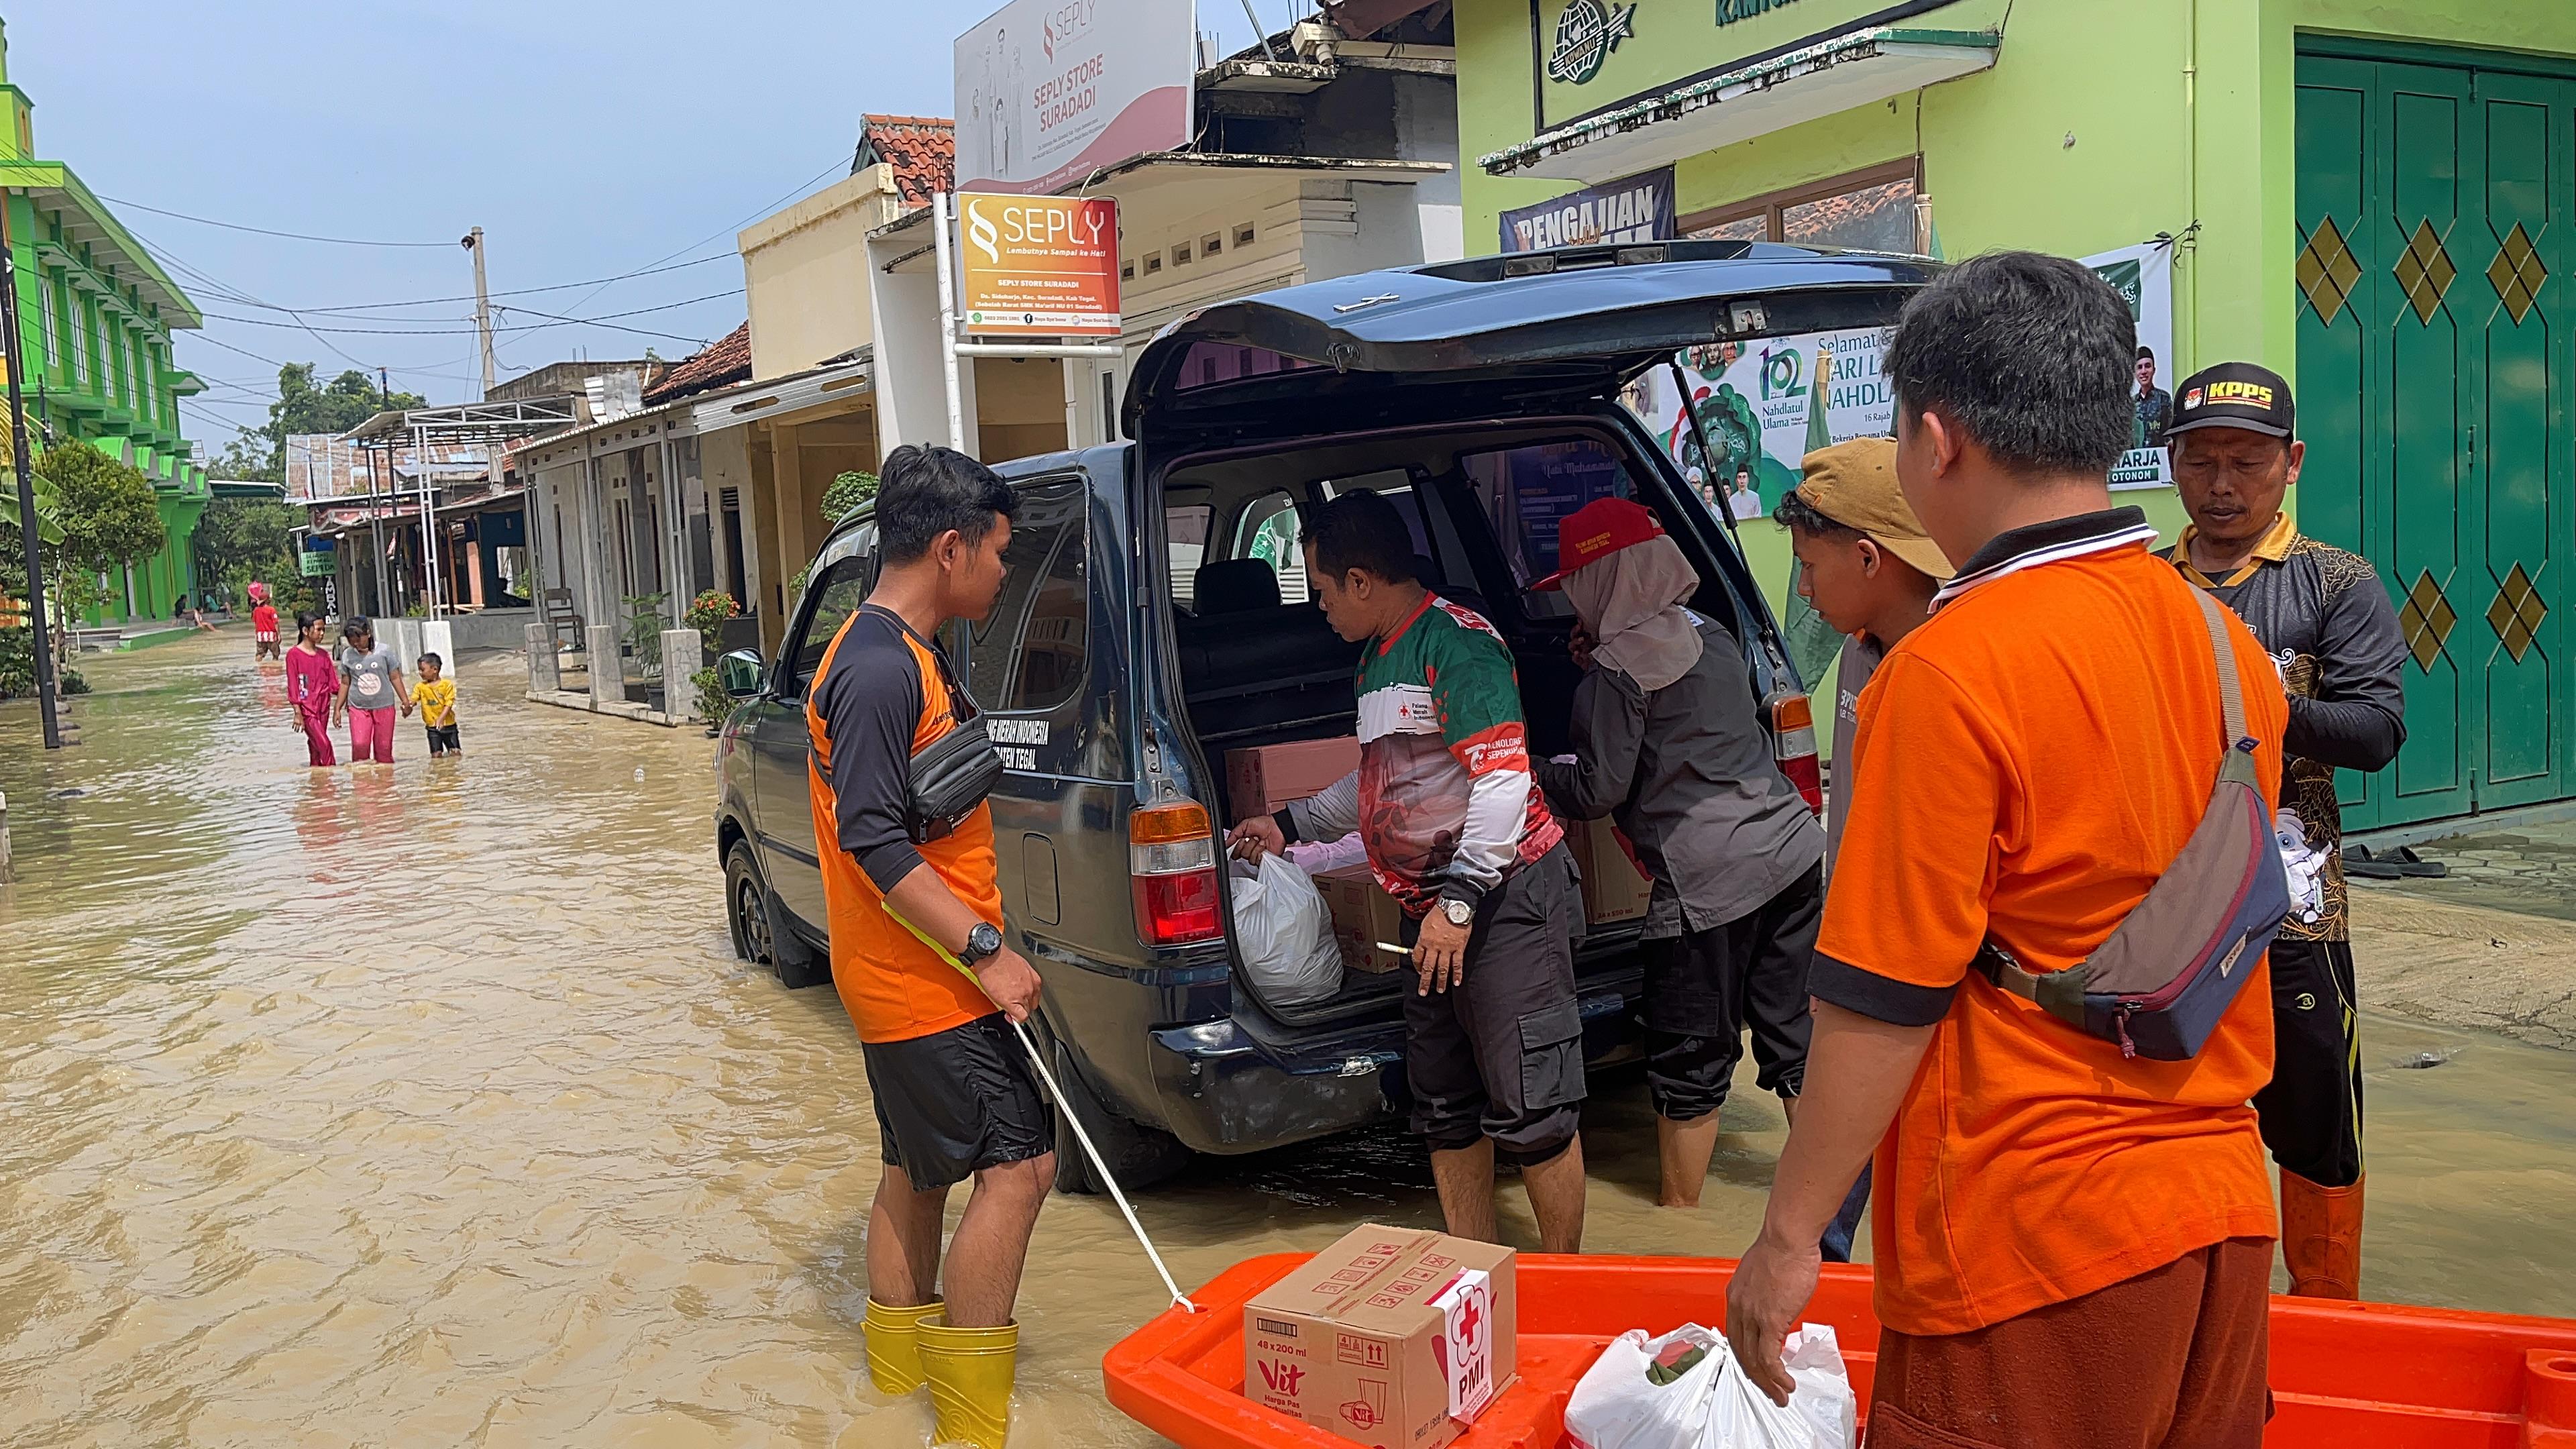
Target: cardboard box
[
  {"x": 1367, "y": 923},
  {"x": 1396, "y": 1338},
  {"x": 1613, "y": 888},
  {"x": 1261, "y": 778}
]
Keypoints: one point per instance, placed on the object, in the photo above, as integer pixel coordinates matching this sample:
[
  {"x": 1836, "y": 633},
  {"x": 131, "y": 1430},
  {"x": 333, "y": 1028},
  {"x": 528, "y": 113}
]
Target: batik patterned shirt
[{"x": 1443, "y": 798}]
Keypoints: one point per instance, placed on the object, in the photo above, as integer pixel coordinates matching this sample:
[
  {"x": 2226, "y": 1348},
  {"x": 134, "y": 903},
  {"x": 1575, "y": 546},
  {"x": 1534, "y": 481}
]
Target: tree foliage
[
  {"x": 306, "y": 406},
  {"x": 847, "y": 492},
  {"x": 241, "y": 539},
  {"x": 109, "y": 516}
]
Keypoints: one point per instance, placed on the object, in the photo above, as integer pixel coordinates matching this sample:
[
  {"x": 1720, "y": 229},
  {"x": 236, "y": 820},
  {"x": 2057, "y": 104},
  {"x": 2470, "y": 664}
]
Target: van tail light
[
  {"x": 1793, "y": 745},
  {"x": 1171, "y": 852}
]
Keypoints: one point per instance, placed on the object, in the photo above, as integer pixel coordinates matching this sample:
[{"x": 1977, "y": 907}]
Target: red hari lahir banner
[{"x": 1038, "y": 266}]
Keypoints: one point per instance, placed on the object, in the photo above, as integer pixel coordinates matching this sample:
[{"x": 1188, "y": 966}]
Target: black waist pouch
[{"x": 952, "y": 774}]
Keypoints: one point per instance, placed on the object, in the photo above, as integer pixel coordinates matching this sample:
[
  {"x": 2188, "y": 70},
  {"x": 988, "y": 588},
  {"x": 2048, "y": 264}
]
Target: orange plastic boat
[{"x": 2343, "y": 1375}]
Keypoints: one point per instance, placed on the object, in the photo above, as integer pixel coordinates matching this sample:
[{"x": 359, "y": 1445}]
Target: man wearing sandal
[{"x": 2327, "y": 622}]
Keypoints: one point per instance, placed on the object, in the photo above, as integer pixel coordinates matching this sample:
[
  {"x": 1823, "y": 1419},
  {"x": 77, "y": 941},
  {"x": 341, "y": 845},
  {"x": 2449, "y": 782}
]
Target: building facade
[
  {"x": 2377, "y": 200},
  {"x": 95, "y": 317}
]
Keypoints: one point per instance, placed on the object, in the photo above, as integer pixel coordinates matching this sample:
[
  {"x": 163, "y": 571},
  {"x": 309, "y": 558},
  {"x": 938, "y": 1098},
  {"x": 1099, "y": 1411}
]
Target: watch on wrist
[
  {"x": 982, "y": 944},
  {"x": 1459, "y": 912}
]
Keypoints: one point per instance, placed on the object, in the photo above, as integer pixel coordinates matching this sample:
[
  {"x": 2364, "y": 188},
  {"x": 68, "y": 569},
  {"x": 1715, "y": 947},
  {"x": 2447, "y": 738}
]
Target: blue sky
[{"x": 588, "y": 140}]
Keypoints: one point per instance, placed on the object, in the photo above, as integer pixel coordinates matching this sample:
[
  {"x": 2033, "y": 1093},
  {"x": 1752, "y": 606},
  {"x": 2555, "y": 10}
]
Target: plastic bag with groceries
[
  {"x": 1286, "y": 939},
  {"x": 1684, "y": 1390}
]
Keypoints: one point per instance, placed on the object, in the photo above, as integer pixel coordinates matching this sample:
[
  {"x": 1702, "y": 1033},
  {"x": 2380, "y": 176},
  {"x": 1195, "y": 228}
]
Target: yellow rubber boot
[
  {"x": 971, "y": 1371},
  {"x": 894, "y": 1344}
]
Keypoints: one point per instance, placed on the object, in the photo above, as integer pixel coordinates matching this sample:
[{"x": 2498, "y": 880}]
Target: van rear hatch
[{"x": 1491, "y": 335}]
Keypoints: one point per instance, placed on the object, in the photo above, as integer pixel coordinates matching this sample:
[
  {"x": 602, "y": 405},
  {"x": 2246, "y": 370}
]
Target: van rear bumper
[{"x": 1222, "y": 1089}]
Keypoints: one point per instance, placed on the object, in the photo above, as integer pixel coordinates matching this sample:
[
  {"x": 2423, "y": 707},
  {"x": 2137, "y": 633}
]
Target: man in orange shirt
[
  {"x": 954, "y": 1096},
  {"x": 2073, "y": 1245}
]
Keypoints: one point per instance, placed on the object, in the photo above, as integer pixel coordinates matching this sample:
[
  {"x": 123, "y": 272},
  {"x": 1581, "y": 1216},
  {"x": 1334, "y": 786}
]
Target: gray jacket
[{"x": 1686, "y": 773}]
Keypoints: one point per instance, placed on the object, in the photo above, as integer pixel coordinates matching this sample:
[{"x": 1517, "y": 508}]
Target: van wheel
[
  {"x": 746, "y": 906},
  {"x": 1141, "y": 1156},
  {"x": 758, "y": 935}
]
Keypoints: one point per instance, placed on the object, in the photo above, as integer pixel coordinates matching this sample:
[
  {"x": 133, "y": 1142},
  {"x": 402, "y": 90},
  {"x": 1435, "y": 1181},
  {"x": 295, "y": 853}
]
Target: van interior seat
[
  {"x": 1235, "y": 586},
  {"x": 1249, "y": 662}
]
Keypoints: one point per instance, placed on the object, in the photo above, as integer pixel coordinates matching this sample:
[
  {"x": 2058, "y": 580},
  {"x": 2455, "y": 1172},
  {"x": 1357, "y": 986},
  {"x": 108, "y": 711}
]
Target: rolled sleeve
[{"x": 1907, "y": 908}]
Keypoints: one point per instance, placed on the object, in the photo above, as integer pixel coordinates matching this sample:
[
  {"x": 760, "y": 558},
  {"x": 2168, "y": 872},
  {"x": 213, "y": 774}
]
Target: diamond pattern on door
[
  {"x": 2425, "y": 271},
  {"x": 2426, "y": 620},
  {"x": 2516, "y": 613},
  {"x": 2516, "y": 274},
  {"x": 2326, "y": 271}
]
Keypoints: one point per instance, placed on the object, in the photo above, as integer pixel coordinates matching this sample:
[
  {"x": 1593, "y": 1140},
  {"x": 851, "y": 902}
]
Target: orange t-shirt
[
  {"x": 2030, "y": 760},
  {"x": 894, "y": 986}
]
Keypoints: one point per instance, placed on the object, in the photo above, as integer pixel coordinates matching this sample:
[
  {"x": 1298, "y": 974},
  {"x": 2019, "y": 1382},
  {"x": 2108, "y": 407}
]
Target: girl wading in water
[{"x": 312, "y": 684}]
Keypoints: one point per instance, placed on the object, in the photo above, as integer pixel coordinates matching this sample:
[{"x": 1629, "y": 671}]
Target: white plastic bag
[
  {"x": 1286, "y": 938},
  {"x": 1685, "y": 1391}
]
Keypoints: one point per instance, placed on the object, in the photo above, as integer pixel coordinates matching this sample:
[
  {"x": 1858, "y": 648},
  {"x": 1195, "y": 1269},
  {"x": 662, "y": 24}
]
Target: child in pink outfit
[
  {"x": 371, "y": 679},
  {"x": 313, "y": 685}
]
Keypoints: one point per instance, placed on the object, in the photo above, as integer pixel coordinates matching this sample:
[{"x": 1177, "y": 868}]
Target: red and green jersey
[{"x": 1444, "y": 792}]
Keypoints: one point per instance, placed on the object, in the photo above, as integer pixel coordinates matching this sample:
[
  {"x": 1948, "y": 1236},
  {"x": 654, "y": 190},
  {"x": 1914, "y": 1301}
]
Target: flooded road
[{"x": 425, "y": 1105}]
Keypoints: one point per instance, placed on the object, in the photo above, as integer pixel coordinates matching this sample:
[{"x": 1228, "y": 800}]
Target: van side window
[
  {"x": 1526, "y": 490},
  {"x": 839, "y": 586},
  {"x": 1028, "y": 655},
  {"x": 1267, "y": 530},
  {"x": 1185, "y": 533}
]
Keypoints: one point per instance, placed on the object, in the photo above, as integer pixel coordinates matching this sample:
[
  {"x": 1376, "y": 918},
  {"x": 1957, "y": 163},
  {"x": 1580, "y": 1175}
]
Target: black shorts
[
  {"x": 955, "y": 1102},
  {"x": 2311, "y": 1109},
  {"x": 1500, "y": 1055},
  {"x": 1704, "y": 988},
  {"x": 442, "y": 738}
]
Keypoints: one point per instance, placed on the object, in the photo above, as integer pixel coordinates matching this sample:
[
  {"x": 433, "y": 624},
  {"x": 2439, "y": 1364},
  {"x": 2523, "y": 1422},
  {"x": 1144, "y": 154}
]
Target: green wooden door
[{"x": 2437, "y": 368}]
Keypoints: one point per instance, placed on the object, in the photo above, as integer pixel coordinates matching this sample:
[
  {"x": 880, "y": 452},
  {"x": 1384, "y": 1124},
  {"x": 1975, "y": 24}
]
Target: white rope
[{"x": 1073, "y": 1119}]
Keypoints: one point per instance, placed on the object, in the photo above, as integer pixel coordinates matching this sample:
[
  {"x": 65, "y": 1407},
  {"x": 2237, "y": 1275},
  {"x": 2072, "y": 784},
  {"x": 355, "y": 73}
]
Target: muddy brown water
[{"x": 426, "y": 1105}]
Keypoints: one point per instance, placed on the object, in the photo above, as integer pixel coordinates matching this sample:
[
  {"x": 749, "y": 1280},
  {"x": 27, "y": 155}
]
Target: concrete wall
[{"x": 806, "y": 283}]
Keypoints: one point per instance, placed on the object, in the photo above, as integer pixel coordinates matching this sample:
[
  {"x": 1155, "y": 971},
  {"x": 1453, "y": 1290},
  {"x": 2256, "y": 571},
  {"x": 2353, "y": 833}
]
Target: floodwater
[{"x": 427, "y": 1106}]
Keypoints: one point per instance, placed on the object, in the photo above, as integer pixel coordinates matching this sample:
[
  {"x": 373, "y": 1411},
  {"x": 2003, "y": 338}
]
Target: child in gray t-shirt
[{"x": 372, "y": 679}]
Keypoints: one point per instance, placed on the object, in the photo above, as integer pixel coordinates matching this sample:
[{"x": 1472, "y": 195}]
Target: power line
[
  {"x": 354, "y": 307},
  {"x": 559, "y": 320},
  {"x": 798, "y": 190},
  {"x": 264, "y": 231}
]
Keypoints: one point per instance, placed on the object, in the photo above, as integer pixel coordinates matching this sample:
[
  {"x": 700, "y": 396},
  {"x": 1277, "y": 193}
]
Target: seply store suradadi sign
[{"x": 1590, "y": 56}]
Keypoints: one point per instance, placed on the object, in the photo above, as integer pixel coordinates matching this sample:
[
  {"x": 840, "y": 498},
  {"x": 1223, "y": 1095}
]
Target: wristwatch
[
  {"x": 1459, "y": 912},
  {"x": 982, "y": 943}
]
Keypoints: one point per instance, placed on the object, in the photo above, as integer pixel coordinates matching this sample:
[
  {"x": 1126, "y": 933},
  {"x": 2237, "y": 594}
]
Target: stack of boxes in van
[{"x": 1367, "y": 923}]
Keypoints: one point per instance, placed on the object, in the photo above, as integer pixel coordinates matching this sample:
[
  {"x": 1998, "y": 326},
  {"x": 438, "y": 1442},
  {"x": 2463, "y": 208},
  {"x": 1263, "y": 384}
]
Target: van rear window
[
  {"x": 1210, "y": 364},
  {"x": 1526, "y": 490}
]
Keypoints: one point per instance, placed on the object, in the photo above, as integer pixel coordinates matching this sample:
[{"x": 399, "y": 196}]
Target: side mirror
[{"x": 739, "y": 673}]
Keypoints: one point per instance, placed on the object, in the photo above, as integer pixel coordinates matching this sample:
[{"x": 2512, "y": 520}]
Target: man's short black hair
[
  {"x": 2146, "y": 354},
  {"x": 2033, "y": 357},
  {"x": 1797, "y": 514},
  {"x": 924, "y": 492},
  {"x": 1360, "y": 530}
]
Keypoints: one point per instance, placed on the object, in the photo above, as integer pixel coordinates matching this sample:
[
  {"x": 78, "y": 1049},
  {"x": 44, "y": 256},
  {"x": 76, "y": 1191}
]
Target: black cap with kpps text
[{"x": 2233, "y": 395}]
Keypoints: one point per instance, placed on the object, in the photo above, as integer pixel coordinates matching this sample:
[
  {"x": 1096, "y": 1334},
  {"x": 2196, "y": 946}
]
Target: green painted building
[
  {"x": 2378, "y": 199},
  {"x": 95, "y": 317}
]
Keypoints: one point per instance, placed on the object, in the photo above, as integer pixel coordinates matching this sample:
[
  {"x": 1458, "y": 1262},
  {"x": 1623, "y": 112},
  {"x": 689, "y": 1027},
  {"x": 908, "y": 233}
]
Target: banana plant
[{"x": 49, "y": 506}]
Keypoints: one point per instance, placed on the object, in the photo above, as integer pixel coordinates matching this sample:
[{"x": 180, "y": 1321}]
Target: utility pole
[
  {"x": 482, "y": 308},
  {"x": 10, "y": 348}
]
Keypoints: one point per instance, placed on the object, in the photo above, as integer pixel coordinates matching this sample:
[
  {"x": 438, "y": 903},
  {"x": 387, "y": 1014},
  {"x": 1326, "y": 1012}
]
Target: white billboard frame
[{"x": 1051, "y": 92}]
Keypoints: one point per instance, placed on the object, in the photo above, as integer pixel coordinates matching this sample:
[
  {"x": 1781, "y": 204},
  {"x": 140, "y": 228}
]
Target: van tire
[
  {"x": 1141, "y": 1156},
  {"x": 759, "y": 933}
]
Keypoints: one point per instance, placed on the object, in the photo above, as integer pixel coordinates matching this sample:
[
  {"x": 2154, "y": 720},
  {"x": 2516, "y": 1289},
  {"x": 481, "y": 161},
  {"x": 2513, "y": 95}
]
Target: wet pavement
[{"x": 427, "y": 1105}]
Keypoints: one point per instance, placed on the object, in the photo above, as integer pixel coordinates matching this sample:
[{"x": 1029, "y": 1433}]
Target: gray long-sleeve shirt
[{"x": 1686, "y": 772}]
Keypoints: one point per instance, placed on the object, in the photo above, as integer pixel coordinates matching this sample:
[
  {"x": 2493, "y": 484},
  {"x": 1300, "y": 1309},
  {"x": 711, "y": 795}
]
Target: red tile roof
[
  {"x": 725, "y": 360},
  {"x": 922, "y": 150}
]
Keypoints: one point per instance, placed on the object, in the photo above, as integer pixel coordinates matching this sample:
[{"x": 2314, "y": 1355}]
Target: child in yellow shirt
[{"x": 435, "y": 698}]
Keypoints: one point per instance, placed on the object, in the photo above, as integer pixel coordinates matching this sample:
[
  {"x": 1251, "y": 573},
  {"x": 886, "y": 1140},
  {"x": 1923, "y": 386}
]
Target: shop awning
[{"x": 1836, "y": 74}]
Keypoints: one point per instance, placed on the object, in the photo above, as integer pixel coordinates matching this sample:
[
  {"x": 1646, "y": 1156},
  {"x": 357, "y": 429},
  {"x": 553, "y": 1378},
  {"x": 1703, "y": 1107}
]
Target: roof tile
[
  {"x": 723, "y": 361},
  {"x": 921, "y": 149}
]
